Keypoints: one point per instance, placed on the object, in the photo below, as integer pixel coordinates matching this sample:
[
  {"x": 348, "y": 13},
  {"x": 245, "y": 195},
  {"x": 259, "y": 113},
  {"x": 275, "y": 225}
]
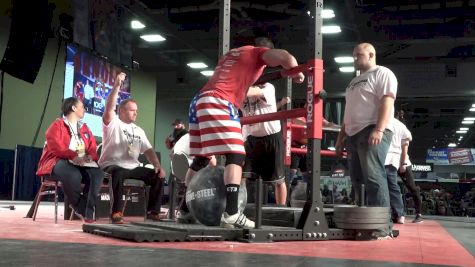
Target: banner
[
  {"x": 340, "y": 183},
  {"x": 450, "y": 156}
]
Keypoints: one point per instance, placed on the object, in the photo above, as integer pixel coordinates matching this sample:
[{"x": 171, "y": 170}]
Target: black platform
[
  {"x": 282, "y": 216},
  {"x": 279, "y": 225},
  {"x": 170, "y": 232}
]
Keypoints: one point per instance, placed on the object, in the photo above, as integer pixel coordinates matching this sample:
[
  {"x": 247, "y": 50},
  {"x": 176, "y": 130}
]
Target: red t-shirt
[{"x": 236, "y": 72}]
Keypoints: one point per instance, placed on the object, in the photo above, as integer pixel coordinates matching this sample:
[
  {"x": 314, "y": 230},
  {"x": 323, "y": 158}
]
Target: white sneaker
[
  {"x": 401, "y": 220},
  {"x": 238, "y": 220}
]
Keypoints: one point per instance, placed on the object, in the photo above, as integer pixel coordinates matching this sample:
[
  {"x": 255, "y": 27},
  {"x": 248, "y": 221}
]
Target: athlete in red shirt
[{"x": 215, "y": 128}]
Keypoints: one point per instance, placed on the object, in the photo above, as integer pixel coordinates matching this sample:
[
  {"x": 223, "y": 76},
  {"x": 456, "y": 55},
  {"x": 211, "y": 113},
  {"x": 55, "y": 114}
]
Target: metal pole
[
  {"x": 172, "y": 196},
  {"x": 259, "y": 200},
  {"x": 224, "y": 32},
  {"x": 224, "y": 26},
  {"x": 287, "y": 130},
  {"x": 287, "y": 134},
  {"x": 313, "y": 217},
  {"x": 14, "y": 172}
]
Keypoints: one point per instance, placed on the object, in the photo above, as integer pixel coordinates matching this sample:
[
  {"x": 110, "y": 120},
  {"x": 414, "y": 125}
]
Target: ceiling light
[
  {"x": 331, "y": 148},
  {"x": 463, "y": 129},
  {"x": 467, "y": 122},
  {"x": 197, "y": 65},
  {"x": 207, "y": 72},
  {"x": 472, "y": 109},
  {"x": 452, "y": 145},
  {"x": 344, "y": 59},
  {"x": 469, "y": 119},
  {"x": 153, "y": 38},
  {"x": 331, "y": 29},
  {"x": 473, "y": 105},
  {"x": 135, "y": 24},
  {"x": 347, "y": 69},
  {"x": 461, "y": 132},
  {"x": 328, "y": 14}
]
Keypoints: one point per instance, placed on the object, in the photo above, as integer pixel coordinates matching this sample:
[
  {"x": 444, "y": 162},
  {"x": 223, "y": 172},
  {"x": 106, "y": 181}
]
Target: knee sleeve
[
  {"x": 237, "y": 159},
  {"x": 199, "y": 163}
]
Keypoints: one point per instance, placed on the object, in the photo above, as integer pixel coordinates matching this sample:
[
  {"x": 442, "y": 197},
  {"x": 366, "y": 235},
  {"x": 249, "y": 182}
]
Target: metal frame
[{"x": 312, "y": 224}]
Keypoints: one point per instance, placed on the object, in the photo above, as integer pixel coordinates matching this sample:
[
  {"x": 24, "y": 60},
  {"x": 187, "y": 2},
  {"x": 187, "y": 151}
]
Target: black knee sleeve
[
  {"x": 199, "y": 163},
  {"x": 237, "y": 159}
]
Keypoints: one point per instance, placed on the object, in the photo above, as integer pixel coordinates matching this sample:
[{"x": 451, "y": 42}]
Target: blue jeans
[
  {"x": 366, "y": 164},
  {"x": 395, "y": 197},
  {"x": 71, "y": 176}
]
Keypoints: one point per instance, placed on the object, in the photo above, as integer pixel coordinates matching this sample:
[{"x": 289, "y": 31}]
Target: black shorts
[
  {"x": 265, "y": 156},
  {"x": 298, "y": 161}
]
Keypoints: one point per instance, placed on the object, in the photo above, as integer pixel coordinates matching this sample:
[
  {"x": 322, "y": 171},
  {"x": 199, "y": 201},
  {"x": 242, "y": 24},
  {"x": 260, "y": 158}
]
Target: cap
[{"x": 177, "y": 121}]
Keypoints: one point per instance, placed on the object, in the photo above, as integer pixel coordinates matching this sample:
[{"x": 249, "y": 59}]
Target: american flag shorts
[{"x": 214, "y": 125}]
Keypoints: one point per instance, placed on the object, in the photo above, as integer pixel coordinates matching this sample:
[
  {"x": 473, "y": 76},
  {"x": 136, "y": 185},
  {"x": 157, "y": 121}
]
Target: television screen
[{"x": 90, "y": 78}]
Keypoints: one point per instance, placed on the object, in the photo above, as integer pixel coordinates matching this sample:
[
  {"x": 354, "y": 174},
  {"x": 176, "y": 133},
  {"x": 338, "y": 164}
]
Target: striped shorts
[{"x": 214, "y": 125}]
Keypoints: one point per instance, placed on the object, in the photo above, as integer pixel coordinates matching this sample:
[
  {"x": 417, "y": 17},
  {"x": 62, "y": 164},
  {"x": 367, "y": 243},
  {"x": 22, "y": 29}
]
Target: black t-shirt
[{"x": 177, "y": 134}]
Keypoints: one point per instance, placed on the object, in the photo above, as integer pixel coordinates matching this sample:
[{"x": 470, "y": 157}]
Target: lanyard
[
  {"x": 76, "y": 136},
  {"x": 131, "y": 141}
]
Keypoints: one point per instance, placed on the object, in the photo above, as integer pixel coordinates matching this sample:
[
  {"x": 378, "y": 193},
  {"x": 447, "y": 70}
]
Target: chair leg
[
  {"x": 111, "y": 199},
  {"x": 125, "y": 201},
  {"x": 38, "y": 200},
  {"x": 56, "y": 203},
  {"x": 145, "y": 201}
]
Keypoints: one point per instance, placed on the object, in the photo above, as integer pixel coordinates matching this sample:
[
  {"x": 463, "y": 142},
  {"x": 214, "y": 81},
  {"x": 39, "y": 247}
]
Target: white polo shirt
[
  {"x": 400, "y": 135},
  {"x": 261, "y": 105},
  {"x": 363, "y": 96},
  {"x": 122, "y": 143}
]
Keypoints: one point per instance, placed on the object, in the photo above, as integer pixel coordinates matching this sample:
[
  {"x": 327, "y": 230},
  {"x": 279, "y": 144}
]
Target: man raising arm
[{"x": 123, "y": 142}]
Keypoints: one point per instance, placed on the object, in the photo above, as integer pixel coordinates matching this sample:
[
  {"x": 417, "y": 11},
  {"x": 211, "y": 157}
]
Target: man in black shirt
[{"x": 178, "y": 131}]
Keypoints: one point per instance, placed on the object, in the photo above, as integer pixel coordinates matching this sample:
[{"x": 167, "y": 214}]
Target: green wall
[{"x": 144, "y": 90}]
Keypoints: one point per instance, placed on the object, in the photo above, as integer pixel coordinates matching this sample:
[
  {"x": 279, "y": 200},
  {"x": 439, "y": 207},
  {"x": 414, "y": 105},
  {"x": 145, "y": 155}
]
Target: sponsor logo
[
  {"x": 206, "y": 193},
  {"x": 310, "y": 99},
  {"x": 421, "y": 168}
]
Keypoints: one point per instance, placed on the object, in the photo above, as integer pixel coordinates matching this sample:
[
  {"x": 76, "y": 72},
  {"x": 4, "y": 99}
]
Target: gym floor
[{"x": 438, "y": 241}]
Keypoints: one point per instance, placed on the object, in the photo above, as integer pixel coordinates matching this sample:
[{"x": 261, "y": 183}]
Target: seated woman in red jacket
[{"x": 69, "y": 156}]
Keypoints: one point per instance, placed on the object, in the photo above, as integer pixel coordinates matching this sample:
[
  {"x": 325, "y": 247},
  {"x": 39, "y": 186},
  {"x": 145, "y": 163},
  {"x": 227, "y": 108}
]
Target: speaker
[{"x": 29, "y": 31}]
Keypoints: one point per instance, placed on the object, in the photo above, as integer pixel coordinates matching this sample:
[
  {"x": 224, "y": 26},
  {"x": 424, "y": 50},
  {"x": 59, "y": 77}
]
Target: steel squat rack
[{"x": 313, "y": 220}]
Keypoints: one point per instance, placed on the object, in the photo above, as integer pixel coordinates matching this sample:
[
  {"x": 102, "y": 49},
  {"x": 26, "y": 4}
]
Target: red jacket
[{"x": 58, "y": 137}]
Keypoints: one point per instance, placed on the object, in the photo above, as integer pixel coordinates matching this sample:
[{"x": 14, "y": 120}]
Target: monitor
[{"x": 90, "y": 78}]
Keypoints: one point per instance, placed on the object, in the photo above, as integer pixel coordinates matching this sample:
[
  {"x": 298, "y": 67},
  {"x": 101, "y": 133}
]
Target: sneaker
[
  {"x": 401, "y": 220},
  {"x": 238, "y": 220},
  {"x": 381, "y": 235},
  {"x": 185, "y": 217},
  {"x": 418, "y": 219},
  {"x": 117, "y": 218},
  {"x": 394, "y": 233},
  {"x": 89, "y": 221},
  {"x": 154, "y": 216}
]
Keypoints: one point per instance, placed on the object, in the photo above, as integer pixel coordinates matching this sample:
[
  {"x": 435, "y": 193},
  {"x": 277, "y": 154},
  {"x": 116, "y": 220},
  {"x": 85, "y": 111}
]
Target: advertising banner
[{"x": 450, "y": 156}]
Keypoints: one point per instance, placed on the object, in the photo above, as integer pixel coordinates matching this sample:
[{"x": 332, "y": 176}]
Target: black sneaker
[
  {"x": 394, "y": 233},
  {"x": 381, "y": 235},
  {"x": 418, "y": 219},
  {"x": 185, "y": 217}
]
